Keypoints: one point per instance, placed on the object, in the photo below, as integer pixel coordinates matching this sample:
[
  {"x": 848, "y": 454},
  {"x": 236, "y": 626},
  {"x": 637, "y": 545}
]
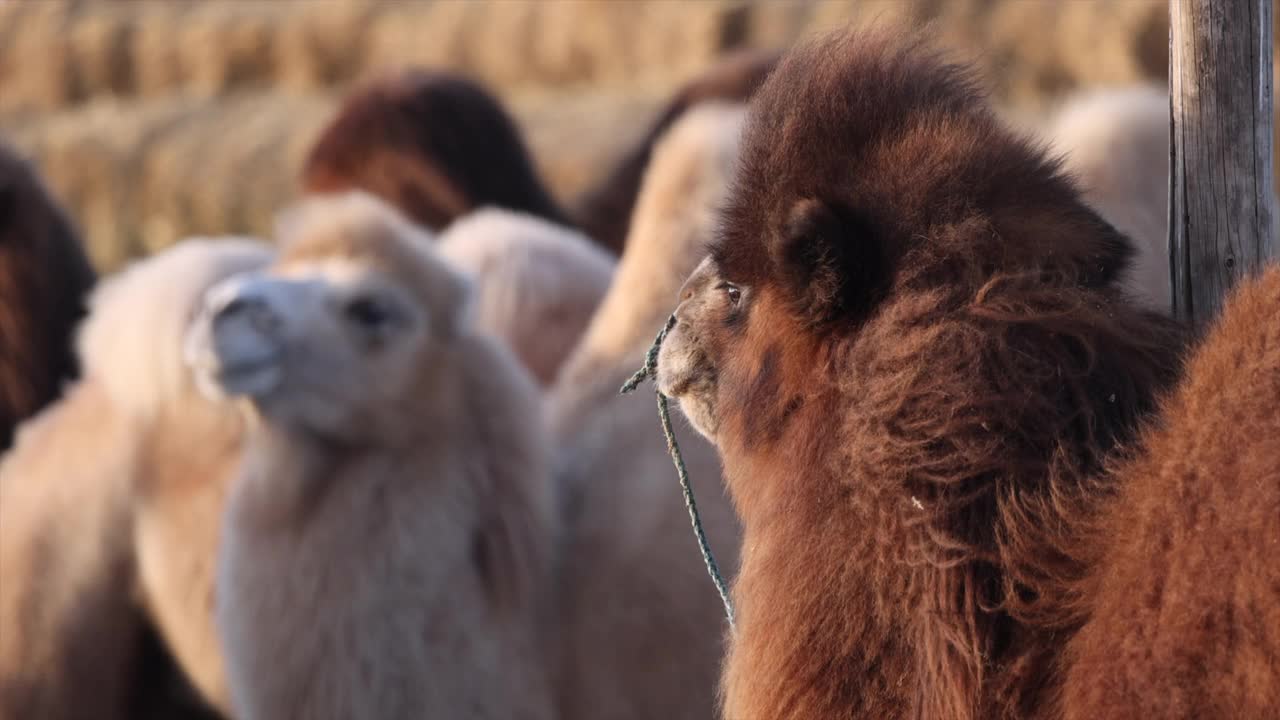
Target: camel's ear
[
  {"x": 1098, "y": 254},
  {"x": 828, "y": 261},
  {"x": 1111, "y": 257}
]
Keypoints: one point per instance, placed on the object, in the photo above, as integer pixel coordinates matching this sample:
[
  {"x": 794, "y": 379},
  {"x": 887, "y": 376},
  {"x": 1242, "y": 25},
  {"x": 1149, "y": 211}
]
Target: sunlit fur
[
  {"x": 537, "y": 284},
  {"x": 386, "y": 542},
  {"x": 1184, "y": 597},
  {"x": 137, "y": 463},
  {"x": 641, "y": 622},
  {"x": 918, "y": 354}
]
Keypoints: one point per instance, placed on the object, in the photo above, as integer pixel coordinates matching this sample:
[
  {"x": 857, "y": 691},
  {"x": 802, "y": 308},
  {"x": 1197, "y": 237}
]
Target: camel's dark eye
[
  {"x": 732, "y": 292},
  {"x": 368, "y": 312}
]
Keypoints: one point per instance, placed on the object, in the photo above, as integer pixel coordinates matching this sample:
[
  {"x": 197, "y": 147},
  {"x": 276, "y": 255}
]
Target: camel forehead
[
  {"x": 337, "y": 271},
  {"x": 348, "y": 277},
  {"x": 368, "y": 248},
  {"x": 414, "y": 280},
  {"x": 357, "y": 265}
]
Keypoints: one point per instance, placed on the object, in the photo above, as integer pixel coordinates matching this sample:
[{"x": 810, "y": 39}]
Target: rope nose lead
[{"x": 650, "y": 371}]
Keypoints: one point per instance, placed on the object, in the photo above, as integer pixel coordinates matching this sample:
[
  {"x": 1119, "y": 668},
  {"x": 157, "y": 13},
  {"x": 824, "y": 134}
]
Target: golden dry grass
[{"x": 162, "y": 118}]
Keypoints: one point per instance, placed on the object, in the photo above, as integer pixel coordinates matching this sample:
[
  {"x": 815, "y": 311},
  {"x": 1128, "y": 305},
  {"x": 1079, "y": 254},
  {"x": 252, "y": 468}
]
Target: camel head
[{"x": 338, "y": 336}]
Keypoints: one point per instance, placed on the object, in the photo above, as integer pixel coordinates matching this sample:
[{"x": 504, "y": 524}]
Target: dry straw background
[{"x": 155, "y": 119}]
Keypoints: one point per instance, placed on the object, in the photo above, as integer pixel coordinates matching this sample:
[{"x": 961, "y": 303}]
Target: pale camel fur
[
  {"x": 385, "y": 540},
  {"x": 642, "y": 624},
  {"x": 537, "y": 283},
  {"x": 109, "y": 505}
]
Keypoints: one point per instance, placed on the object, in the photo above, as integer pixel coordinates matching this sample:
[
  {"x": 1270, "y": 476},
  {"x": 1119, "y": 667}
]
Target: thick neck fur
[
  {"x": 475, "y": 398},
  {"x": 908, "y": 490},
  {"x": 398, "y": 552},
  {"x": 284, "y": 471}
]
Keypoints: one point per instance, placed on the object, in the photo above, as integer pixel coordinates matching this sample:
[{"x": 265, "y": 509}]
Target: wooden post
[{"x": 1221, "y": 192}]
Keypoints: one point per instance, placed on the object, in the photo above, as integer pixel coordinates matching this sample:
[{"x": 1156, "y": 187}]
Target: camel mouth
[
  {"x": 248, "y": 366},
  {"x": 683, "y": 384},
  {"x": 253, "y": 376},
  {"x": 673, "y": 387},
  {"x": 700, "y": 411}
]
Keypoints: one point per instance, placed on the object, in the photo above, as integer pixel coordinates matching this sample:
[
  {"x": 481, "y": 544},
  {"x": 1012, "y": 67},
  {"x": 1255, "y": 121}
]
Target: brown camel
[{"x": 912, "y": 350}]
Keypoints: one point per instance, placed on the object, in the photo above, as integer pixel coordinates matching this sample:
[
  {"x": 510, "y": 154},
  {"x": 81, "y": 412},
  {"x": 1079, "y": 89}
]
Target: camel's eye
[
  {"x": 731, "y": 291},
  {"x": 368, "y": 312}
]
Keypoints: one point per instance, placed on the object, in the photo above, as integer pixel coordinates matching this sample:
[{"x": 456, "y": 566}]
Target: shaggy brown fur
[
  {"x": 1185, "y": 599},
  {"x": 917, "y": 355},
  {"x": 604, "y": 211},
  {"x": 44, "y": 276},
  {"x": 435, "y": 145}
]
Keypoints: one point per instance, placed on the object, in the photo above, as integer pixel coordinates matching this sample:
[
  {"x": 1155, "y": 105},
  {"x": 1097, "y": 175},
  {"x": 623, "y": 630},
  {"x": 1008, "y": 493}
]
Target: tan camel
[
  {"x": 109, "y": 510},
  {"x": 386, "y": 542}
]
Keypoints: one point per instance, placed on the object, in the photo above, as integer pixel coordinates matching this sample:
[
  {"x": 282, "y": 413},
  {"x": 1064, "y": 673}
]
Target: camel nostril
[
  {"x": 255, "y": 312},
  {"x": 240, "y": 305},
  {"x": 236, "y": 306}
]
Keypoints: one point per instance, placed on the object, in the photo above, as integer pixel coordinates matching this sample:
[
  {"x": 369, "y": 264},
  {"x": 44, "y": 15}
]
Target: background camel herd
[{"x": 375, "y": 463}]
